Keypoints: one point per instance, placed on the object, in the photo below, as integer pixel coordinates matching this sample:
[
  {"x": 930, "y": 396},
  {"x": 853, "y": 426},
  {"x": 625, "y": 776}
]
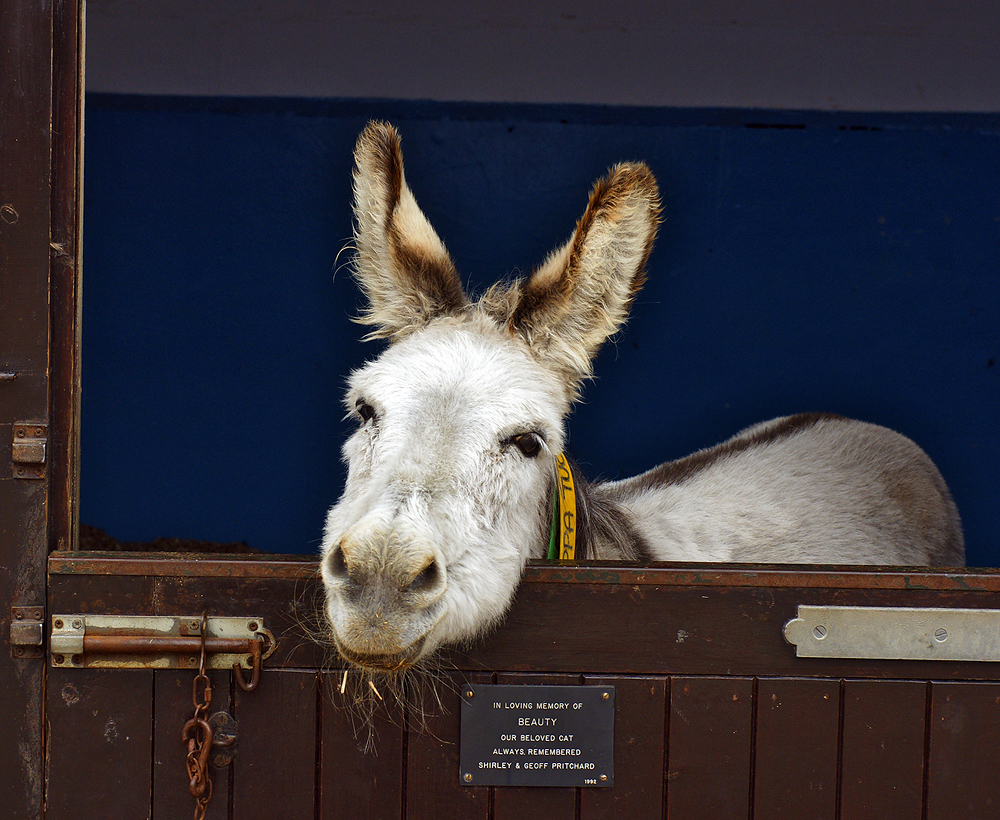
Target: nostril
[
  {"x": 427, "y": 578},
  {"x": 335, "y": 563}
]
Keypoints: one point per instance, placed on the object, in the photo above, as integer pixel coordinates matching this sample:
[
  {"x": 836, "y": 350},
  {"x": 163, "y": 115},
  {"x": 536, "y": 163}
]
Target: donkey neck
[{"x": 604, "y": 529}]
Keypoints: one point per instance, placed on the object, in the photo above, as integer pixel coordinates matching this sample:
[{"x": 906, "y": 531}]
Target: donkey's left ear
[
  {"x": 400, "y": 263},
  {"x": 581, "y": 294}
]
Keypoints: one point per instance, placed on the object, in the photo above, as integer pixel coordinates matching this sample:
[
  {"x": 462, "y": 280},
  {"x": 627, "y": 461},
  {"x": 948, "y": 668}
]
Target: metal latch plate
[
  {"x": 28, "y": 449},
  {"x": 27, "y": 632},
  {"x": 156, "y": 642},
  {"x": 895, "y": 633}
]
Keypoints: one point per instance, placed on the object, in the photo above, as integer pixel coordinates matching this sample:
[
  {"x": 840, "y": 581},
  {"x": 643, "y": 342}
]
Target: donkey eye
[
  {"x": 530, "y": 444},
  {"x": 365, "y": 411}
]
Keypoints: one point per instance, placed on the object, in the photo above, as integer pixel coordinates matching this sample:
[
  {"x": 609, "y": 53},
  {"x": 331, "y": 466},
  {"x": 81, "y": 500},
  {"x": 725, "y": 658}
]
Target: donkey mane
[{"x": 604, "y": 531}]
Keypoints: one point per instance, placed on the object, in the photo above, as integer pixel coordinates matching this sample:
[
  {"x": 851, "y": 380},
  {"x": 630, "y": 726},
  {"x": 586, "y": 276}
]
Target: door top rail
[{"x": 305, "y": 567}]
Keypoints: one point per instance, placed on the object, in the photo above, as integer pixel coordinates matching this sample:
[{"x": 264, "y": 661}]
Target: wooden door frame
[{"x": 41, "y": 104}]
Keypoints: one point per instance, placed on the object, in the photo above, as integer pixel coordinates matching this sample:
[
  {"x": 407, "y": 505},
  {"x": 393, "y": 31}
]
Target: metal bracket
[
  {"x": 225, "y": 739},
  {"x": 29, "y": 449},
  {"x": 156, "y": 642},
  {"x": 27, "y": 632},
  {"x": 895, "y": 633}
]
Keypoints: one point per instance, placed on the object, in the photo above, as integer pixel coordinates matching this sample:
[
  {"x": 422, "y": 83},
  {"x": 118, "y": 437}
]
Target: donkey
[{"x": 455, "y": 473}]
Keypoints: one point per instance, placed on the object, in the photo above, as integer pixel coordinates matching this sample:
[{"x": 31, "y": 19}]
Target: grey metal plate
[
  {"x": 537, "y": 736},
  {"x": 895, "y": 633}
]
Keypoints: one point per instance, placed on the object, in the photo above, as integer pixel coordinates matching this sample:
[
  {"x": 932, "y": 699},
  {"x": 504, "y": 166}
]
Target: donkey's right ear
[{"x": 400, "y": 263}]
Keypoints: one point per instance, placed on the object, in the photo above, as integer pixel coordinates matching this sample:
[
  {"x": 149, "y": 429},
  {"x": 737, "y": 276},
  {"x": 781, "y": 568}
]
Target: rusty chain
[{"x": 197, "y": 734}]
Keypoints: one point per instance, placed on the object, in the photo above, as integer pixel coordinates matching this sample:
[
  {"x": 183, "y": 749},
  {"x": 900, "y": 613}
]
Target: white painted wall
[{"x": 923, "y": 55}]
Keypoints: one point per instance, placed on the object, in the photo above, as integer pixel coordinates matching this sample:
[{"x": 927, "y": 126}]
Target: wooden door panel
[
  {"x": 640, "y": 735},
  {"x": 40, "y": 94},
  {"x": 274, "y": 774},
  {"x": 362, "y": 754},
  {"x": 797, "y": 745},
  {"x": 432, "y": 767},
  {"x": 709, "y": 751},
  {"x": 884, "y": 725},
  {"x": 964, "y": 754},
  {"x": 101, "y": 764},
  {"x": 173, "y": 706}
]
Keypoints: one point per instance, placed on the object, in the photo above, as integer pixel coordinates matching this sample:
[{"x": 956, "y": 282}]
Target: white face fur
[
  {"x": 446, "y": 492},
  {"x": 460, "y": 419}
]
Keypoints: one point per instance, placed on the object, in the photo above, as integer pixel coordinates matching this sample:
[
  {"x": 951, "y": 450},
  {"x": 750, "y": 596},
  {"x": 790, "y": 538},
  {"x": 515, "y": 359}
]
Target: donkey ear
[
  {"x": 581, "y": 294},
  {"x": 400, "y": 263}
]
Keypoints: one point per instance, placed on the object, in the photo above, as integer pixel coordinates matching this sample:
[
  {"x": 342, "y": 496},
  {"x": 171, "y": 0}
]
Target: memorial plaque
[{"x": 537, "y": 736}]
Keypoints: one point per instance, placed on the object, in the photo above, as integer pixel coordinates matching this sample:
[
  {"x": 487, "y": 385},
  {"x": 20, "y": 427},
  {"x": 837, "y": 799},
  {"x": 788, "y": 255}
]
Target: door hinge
[
  {"x": 29, "y": 449},
  {"x": 27, "y": 632},
  {"x": 895, "y": 633}
]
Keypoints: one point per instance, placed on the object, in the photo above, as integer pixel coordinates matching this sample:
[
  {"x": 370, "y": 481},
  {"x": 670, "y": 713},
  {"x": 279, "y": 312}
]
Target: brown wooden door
[
  {"x": 715, "y": 714},
  {"x": 39, "y": 255}
]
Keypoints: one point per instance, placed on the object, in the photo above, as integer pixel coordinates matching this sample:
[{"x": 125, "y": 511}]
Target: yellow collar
[{"x": 562, "y": 538}]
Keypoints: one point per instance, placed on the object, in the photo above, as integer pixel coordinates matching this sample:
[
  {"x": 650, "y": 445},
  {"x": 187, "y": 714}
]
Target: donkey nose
[{"x": 359, "y": 564}]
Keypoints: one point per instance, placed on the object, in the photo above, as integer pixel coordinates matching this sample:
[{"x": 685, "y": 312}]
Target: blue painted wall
[{"x": 808, "y": 261}]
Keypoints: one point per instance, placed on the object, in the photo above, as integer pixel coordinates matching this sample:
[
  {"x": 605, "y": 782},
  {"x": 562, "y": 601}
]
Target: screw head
[
  {"x": 941, "y": 634},
  {"x": 819, "y": 632},
  {"x": 468, "y": 777}
]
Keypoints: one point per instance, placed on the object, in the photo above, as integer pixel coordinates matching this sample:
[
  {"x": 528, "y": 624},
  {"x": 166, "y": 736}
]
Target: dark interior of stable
[{"x": 842, "y": 262}]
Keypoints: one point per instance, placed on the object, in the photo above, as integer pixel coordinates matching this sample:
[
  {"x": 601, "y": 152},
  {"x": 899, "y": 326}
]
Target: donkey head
[{"x": 451, "y": 469}]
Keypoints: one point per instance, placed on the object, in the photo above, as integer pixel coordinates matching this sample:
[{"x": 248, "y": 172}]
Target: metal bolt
[
  {"x": 18, "y": 651},
  {"x": 77, "y": 624},
  {"x": 57, "y": 623},
  {"x": 78, "y": 660},
  {"x": 469, "y": 693},
  {"x": 819, "y": 632},
  {"x": 604, "y": 777},
  {"x": 19, "y": 616},
  {"x": 252, "y": 626},
  {"x": 605, "y": 695},
  {"x": 941, "y": 634},
  {"x": 57, "y": 659},
  {"x": 468, "y": 777}
]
